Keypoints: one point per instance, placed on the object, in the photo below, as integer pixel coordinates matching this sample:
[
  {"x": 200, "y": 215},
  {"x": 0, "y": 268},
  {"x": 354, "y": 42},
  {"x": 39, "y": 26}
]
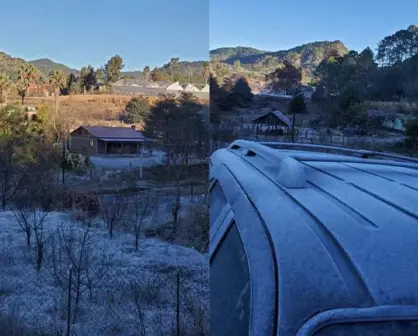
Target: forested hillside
[{"x": 256, "y": 63}]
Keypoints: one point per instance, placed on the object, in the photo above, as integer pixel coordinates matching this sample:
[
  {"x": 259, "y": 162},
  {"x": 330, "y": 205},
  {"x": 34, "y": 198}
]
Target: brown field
[
  {"x": 89, "y": 109},
  {"x": 85, "y": 109}
]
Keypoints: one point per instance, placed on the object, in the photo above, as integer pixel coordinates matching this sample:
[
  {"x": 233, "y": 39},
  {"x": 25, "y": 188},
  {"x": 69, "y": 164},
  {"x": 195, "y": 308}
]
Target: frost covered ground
[
  {"x": 120, "y": 162},
  {"x": 121, "y": 291},
  {"x": 162, "y": 213}
]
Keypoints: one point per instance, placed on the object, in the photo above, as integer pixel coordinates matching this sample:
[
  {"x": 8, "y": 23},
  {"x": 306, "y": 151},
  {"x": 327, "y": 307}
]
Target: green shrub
[{"x": 76, "y": 162}]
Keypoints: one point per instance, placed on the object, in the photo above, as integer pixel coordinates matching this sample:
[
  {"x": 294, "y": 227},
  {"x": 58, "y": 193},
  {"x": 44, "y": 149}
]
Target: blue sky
[
  {"x": 278, "y": 25},
  {"x": 82, "y": 32}
]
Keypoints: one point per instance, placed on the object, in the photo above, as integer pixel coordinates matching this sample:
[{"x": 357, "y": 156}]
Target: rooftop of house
[
  {"x": 283, "y": 118},
  {"x": 113, "y": 132}
]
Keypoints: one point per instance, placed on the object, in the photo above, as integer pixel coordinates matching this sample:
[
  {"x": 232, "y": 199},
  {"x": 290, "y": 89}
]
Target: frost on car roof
[{"x": 347, "y": 239}]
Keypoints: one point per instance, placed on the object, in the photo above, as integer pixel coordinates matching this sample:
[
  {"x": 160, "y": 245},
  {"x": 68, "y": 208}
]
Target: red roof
[{"x": 114, "y": 132}]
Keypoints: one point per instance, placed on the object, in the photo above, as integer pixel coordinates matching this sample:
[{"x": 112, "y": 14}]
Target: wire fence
[{"x": 224, "y": 134}]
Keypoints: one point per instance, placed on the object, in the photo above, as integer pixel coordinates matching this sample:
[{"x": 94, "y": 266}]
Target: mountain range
[
  {"x": 10, "y": 64},
  {"x": 45, "y": 65},
  {"x": 254, "y": 61},
  {"x": 306, "y": 56}
]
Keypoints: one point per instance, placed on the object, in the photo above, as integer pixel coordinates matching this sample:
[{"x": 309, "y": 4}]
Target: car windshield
[{"x": 389, "y": 328}]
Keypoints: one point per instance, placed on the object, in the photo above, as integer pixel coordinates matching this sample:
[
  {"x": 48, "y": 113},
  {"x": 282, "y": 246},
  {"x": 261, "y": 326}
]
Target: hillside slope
[
  {"x": 235, "y": 52},
  {"x": 306, "y": 56},
  {"x": 45, "y": 65},
  {"x": 184, "y": 67},
  {"x": 9, "y": 65}
]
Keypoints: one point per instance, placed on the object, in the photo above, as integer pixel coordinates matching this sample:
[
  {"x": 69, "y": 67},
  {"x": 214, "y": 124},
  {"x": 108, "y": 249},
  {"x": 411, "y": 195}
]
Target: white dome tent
[
  {"x": 175, "y": 87},
  {"x": 191, "y": 88},
  {"x": 153, "y": 85},
  {"x": 205, "y": 88}
]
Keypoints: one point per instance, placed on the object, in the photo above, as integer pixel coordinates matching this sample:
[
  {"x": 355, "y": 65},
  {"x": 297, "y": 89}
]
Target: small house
[
  {"x": 390, "y": 120},
  {"x": 273, "y": 119},
  {"x": 103, "y": 140},
  {"x": 398, "y": 123}
]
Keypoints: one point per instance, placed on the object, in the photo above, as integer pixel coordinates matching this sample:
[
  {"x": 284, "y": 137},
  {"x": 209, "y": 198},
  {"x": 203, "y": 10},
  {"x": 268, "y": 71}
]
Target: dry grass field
[{"x": 89, "y": 109}]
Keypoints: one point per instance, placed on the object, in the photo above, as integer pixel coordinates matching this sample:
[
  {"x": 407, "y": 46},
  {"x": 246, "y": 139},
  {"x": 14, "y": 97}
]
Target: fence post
[
  {"x": 69, "y": 302},
  {"x": 178, "y": 305}
]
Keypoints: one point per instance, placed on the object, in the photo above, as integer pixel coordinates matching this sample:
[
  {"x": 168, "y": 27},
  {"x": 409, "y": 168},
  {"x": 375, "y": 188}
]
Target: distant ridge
[{"x": 306, "y": 56}]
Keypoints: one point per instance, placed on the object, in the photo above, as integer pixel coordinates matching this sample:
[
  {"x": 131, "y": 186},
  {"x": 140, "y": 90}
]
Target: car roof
[{"x": 344, "y": 228}]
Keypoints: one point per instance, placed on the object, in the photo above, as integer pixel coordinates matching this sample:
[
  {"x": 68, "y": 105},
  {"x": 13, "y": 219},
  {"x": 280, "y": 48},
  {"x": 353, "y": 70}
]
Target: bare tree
[
  {"x": 32, "y": 204},
  {"x": 177, "y": 202},
  {"x": 38, "y": 229},
  {"x": 31, "y": 219},
  {"x": 194, "y": 304},
  {"x": 73, "y": 246},
  {"x": 113, "y": 212},
  {"x": 140, "y": 208},
  {"x": 22, "y": 217},
  {"x": 11, "y": 173},
  {"x": 137, "y": 292}
]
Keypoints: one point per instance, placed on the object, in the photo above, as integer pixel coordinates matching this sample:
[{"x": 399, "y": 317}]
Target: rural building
[
  {"x": 273, "y": 119},
  {"x": 390, "y": 120},
  {"x": 398, "y": 123},
  {"x": 102, "y": 140}
]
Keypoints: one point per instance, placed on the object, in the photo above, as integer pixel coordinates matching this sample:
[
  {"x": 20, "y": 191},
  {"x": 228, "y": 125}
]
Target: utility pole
[
  {"x": 141, "y": 162},
  {"x": 63, "y": 161},
  {"x": 293, "y": 125},
  {"x": 69, "y": 302},
  {"x": 294, "y": 117}
]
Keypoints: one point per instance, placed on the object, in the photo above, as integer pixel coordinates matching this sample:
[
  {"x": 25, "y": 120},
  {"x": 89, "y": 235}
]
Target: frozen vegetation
[{"x": 116, "y": 289}]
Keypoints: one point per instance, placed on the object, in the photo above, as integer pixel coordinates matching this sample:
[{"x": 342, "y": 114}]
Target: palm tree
[
  {"x": 146, "y": 72},
  {"x": 99, "y": 74},
  {"x": 84, "y": 72},
  {"x": 173, "y": 67},
  {"x": 27, "y": 74},
  {"x": 206, "y": 71},
  {"x": 58, "y": 80},
  {"x": 5, "y": 85}
]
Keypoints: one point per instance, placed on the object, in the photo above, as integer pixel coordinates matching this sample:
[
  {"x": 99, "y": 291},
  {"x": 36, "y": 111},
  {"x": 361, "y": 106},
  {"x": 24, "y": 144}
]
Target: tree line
[
  {"x": 178, "y": 125},
  {"x": 345, "y": 83},
  {"x": 227, "y": 96},
  {"x": 28, "y": 76},
  {"x": 177, "y": 71},
  {"x": 90, "y": 78}
]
